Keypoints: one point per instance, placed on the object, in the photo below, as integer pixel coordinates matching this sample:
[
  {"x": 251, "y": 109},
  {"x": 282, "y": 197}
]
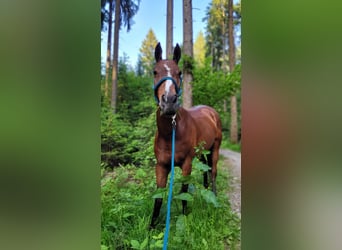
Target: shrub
[
  {"x": 115, "y": 136},
  {"x": 123, "y": 143}
]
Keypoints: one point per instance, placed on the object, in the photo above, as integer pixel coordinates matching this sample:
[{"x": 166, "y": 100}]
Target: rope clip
[{"x": 174, "y": 121}]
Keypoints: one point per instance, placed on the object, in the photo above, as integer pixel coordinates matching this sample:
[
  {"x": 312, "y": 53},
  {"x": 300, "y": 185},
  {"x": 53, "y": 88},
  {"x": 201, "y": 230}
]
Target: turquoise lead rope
[{"x": 169, "y": 199}]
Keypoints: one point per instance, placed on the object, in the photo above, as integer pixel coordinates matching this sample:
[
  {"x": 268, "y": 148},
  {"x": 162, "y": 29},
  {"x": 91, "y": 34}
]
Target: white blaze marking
[{"x": 168, "y": 83}]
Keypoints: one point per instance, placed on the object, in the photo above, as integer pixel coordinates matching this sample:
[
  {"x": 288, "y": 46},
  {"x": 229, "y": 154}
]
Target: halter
[{"x": 178, "y": 89}]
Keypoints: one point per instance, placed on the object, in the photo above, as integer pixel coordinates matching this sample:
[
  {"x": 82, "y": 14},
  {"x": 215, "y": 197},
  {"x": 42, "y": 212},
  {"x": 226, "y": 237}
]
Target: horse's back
[
  {"x": 207, "y": 115},
  {"x": 208, "y": 123}
]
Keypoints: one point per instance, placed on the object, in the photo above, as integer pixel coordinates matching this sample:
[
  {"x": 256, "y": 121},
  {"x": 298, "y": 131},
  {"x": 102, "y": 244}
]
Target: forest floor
[{"x": 232, "y": 162}]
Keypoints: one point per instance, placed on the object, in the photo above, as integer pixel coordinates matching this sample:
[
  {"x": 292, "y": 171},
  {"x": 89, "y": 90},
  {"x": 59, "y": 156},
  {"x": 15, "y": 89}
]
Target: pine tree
[
  {"x": 199, "y": 49},
  {"x": 223, "y": 17},
  {"x": 147, "y": 52},
  {"x": 124, "y": 12},
  {"x": 139, "y": 70}
]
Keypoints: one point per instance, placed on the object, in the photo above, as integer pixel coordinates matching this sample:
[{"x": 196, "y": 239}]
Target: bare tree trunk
[
  {"x": 212, "y": 55},
  {"x": 188, "y": 52},
  {"x": 169, "y": 29},
  {"x": 224, "y": 42},
  {"x": 109, "y": 47},
  {"x": 233, "y": 121},
  {"x": 233, "y": 102},
  {"x": 231, "y": 36},
  {"x": 115, "y": 56},
  {"x": 224, "y": 66}
]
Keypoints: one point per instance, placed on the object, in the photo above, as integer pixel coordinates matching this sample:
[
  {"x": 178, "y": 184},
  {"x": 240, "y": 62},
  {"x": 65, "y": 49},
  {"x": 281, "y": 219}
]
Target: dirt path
[{"x": 233, "y": 162}]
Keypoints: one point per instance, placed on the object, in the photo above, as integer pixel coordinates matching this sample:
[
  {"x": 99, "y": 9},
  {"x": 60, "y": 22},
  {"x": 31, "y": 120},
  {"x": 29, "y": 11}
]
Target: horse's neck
[{"x": 164, "y": 124}]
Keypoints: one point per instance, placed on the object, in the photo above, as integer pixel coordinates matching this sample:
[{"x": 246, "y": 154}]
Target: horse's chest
[{"x": 163, "y": 153}]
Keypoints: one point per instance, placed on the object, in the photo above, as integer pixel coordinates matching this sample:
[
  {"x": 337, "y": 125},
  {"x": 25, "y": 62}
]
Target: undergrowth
[
  {"x": 127, "y": 203},
  {"x": 226, "y": 144}
]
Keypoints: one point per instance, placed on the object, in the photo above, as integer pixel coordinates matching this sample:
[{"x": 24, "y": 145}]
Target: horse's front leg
[
  {"x": 186, "y": 170},
  {"x": 161, "y": 177}
]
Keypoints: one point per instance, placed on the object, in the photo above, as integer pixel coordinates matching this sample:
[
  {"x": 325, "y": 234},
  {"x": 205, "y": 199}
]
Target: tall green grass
[{"x": 127, "y": 204}]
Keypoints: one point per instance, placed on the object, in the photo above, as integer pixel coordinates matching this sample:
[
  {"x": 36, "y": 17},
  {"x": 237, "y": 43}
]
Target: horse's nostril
[
  {"x": 174, "y": 98},
  {"x": 163, "y": 98}
]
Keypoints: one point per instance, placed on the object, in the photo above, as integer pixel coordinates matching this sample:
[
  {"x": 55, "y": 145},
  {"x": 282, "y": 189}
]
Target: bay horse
[{"x": 194, "y": 126}]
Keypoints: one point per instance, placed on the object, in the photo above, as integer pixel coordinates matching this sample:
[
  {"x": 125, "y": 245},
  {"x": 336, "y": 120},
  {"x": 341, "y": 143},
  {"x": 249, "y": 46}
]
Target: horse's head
[{"x": 167, "y": 81}]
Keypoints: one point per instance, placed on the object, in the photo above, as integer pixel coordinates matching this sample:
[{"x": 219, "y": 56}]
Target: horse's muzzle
[{"x": 169, "y": 104}]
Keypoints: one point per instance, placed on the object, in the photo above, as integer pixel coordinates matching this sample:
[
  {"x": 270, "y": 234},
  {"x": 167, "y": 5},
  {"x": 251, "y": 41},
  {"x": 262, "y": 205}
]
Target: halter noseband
[{"x": 178, "y": 89}]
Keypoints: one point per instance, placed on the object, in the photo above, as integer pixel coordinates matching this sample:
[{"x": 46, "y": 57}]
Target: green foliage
[
  {"x": 184, "y": 196},
  {"x": 124, "y": 206},
  {"x": 217, "y": 27},
  {"x": 200, "y": 152},
  {"x": 143, "y": 140},
  {"x": 127, "y": 136},
  {"x": 147, "y": 52},
  {"x": 122, "y": 143},
  {"x": 199, "y": 49},
  {"x": 209, "y": 197},
  {"x": 127, "y": 204},
  {"x": 139, "y": 68},
  {"x": 213, "y": 87},
  {"x": 217, "y": 31},
  {"x": 135, "y": 100},
  {"x": 234, "y": 79},
  {"x": 160, "y": 193},
  {"x": 196, "y": 163},
  {"x": 188, "y": 63},
  {"x": 136, "y": 245},
  {"x": 226, "y": 144},
  {"x": 115, "y": 135},
  {"x": 128, "y": 10}
]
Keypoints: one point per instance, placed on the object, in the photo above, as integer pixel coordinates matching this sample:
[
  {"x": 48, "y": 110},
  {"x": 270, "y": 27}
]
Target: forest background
[{"x": 127, "y": 103}]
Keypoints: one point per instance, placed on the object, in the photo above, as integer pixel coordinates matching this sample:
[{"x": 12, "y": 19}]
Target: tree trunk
[
  {"x": 231, "y": 36},
  {"x": 233, "y": 102},
  {"x": 109, "y": 47},
  {"x": 224, "y": 42},
  {"x": 115, "y": 56},
  {"x": 188, "y": 53},
  {"x": 233, "y": 120},
  {"x": 169, "y": 29}
]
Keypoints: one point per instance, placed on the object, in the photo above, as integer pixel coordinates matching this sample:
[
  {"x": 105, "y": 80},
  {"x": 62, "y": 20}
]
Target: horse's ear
[
  {"x": 177, "y": 53},
  {"x": 158, "y": 53}
]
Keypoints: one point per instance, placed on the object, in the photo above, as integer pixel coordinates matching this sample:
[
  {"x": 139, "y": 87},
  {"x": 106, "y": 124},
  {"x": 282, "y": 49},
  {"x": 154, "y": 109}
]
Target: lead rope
[{"x": 167, "y": 227}]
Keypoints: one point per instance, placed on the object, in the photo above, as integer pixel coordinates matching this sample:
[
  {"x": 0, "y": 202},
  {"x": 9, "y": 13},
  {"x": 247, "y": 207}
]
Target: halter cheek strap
[{"x": 178, "y": 89}]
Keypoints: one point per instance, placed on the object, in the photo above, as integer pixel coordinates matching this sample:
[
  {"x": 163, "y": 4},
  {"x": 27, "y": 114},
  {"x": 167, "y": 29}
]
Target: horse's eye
[
  {"x": 154, "y": 72},
  {"x": 180, "y": 73}
]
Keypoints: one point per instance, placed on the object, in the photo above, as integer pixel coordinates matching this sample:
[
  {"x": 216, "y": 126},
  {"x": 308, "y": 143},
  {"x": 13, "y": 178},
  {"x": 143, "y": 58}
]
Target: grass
[
  {"x": 127, "y": 204},
  {"x": 228, "y": 145}
]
